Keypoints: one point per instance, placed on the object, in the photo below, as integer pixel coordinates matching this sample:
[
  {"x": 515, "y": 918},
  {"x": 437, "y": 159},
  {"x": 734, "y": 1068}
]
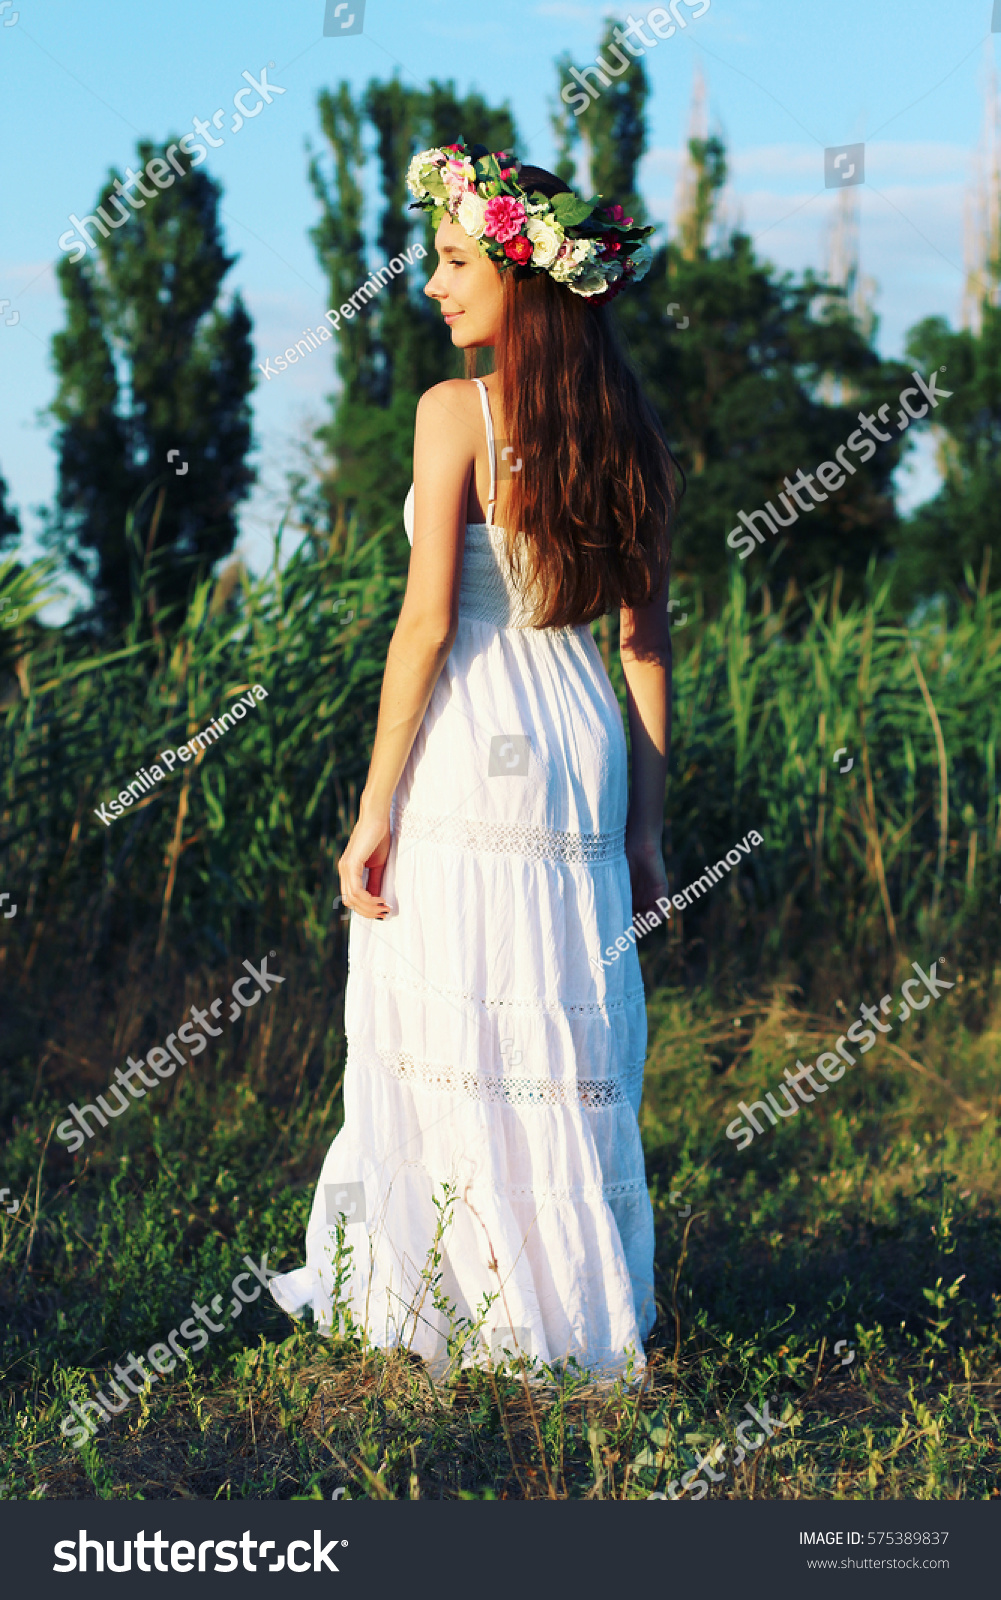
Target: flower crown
[{"x": 594, "y": 250}]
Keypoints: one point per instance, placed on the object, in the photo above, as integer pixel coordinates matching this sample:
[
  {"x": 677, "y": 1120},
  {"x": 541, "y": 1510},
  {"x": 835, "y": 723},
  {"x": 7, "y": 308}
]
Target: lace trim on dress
[
  {"x": 592, "y": 1093},
  {"x": 617, "y": 1189},
  {"x": 576, "y": 1191},
  {"x": 513, "y": 838},
  {"x": 579, "y": 1008}
]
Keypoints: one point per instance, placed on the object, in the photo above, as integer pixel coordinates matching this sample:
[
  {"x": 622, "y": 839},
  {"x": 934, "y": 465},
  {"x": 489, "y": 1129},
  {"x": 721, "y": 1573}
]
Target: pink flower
[
  {"x": 519, "y": 249},
  {"x": 506, "y": 172},
  {"x": 457, "y": 180},
  {"x": 615, "y": 212},
  {"x": 503, "y": 218}
]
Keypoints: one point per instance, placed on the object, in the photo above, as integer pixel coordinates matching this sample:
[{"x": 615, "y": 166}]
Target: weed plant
[{"x": 870, "y": 1218}]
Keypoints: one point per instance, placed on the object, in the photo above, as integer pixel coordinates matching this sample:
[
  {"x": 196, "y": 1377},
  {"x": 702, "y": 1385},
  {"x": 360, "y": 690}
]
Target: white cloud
[
  {"x": 885, "y": 162},
  {"x": 910, "y": 217}
]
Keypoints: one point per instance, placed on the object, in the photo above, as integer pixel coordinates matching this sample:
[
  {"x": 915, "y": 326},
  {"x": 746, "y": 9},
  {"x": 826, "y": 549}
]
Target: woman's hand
[
  {"x": 368, "y": 847},
  {"x": 647, "y": 873}
]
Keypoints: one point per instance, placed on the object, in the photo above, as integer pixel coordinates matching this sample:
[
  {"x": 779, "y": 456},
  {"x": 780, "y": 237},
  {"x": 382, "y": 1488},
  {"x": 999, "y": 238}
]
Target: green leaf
[
  {"x": 434, "y": 183},
  {"x": 217, "y": 817},
  {"x": 570, "y": 210}
]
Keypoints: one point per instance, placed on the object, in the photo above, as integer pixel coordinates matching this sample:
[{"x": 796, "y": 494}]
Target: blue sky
[{"x": 82, "y": 83}]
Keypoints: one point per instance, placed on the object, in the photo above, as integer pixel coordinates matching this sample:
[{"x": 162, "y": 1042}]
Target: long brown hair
[{"x": 597, "y": 495}]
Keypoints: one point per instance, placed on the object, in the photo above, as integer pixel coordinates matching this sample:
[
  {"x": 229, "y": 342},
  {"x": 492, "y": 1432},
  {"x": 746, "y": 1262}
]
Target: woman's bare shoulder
[
  {"x": 450, "y": 412},
  {"x": 450, "y": 394}
]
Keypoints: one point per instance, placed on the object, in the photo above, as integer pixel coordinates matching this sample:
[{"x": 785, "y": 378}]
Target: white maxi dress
[{"x": 493, "y": 1064}]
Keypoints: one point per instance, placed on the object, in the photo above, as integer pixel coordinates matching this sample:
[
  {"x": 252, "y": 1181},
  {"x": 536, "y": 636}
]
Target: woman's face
[{"x": 467, "y": 286}]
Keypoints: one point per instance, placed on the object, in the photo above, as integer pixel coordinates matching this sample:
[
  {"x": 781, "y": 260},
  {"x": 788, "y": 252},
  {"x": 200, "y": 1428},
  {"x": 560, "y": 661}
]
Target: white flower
[
  {"x": 641, "y": 260},
  {"x": 546, "y": 239},
  {"x": 470, "y": 214},
  {"x": 424, "y": 158},
  {"x": 591, "y": 280},
  {"x": 573, "y": 256}
]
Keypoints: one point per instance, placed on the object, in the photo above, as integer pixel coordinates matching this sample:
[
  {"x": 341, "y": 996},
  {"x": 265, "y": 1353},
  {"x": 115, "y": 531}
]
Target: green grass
[
  {"x": 872, "y": 1216},
  {"x": 872, "y": 1219},
  {"x": 241, "y": 844}
]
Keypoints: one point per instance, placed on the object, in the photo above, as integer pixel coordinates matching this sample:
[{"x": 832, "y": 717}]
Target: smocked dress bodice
[{"x": 487, "y": 592}]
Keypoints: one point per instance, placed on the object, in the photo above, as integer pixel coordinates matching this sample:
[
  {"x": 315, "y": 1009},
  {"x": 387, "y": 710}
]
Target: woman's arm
[
  {"x": 424, "y": 634},
  {"x": 645, "y": 652}
]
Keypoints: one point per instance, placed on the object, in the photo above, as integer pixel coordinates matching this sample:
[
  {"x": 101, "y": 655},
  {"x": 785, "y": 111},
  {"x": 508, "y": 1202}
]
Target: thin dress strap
[{"x": 485, "y": 403}]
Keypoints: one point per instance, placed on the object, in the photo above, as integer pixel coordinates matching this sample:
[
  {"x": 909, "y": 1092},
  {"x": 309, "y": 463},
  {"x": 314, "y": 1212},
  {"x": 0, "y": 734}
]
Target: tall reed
[{"x": 901, "y": 850}]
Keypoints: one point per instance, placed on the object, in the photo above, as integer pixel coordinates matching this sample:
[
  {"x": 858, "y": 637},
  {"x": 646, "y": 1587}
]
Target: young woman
[{"x": 495, "y": 1048}]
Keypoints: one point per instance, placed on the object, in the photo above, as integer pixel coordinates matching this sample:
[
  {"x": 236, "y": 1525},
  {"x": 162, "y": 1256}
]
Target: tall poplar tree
[
  {"x": 150, "y": 362},
  {"x": 396, "y": 346},
  {"x": 733, "y": 357},
  {"x": 958, "y": 531},
  {"x": 609, "y": 135},
  {"x": 10, "y": 527}
]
